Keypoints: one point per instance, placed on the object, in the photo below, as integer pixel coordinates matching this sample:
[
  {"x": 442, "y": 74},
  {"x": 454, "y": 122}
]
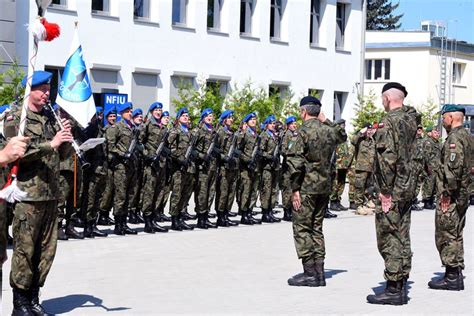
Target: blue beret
[
  {"x": 395, "y": 85},
  {"x": 270, "y": 119},
  {"x": 290, "y": 119},
  {"x": 137, "y": 112},
  {"x": 99, "y": 109},
  {"x": 39, "y": 77},
  {"x": 110, "y": 111},
  {"x": 166, "y": 113},
  {"x": 205, "y": 113},
  {"x": 181, "y": 112},
  {"x": 249, "y": 116},
  {"x": 123, "y": 107},
  {"x": 155, "y": 105},
  {"x": 310, "y": 99},
  {"x": 225, "y": 115},
  {"x": 4, "y": 107},
  {"x": 452, "y": 108}
]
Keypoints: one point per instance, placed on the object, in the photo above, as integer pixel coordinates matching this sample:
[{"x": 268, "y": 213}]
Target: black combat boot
[
  {"x": 352, "y": 206},
  {"x": 201, "y": 221},
  {"x": 211, "y": 215},
  {"x": 175, "y": 223},
  {"x": 451, "y": 281},
  {"x": 148, "y": 225},
  {"x": 319, "y": 268},
  {"x": 35, "y": 305},
  {"x": 132, "y": 217},
  {"x": 91, "y": 230},
  {"x": 333, "y": 206},
  {"x": 140, "y": 218},
  {"x": 266, "y": 216},
  {"x": 287, "y": 215},
  {"x": 208, "y": 222},
  {"x": 471, "y": 200},
  {"x": 184, "y": 225},
  {"x": 88, "y": 233},
  {"x": 71, "y": 232},
  {"x": 429, "y": 204},
  {"x": 392, "y": 295},
  {"x": 245, "y": 220},
  {"x": 21, "y": 303},
  {"x": 307, "y": 278},
  {"x": 186, "y": 216},
  {"x": 341, "y": 207},
  {"x": 328, "y": 214},
  {"x": 229, "y": 221},
  {"x": 405, "y": 290},
  {"x": 273, "y": 217},
  {"x": 221, "y": 220},
  {"x": 77, "y": 220},
  {"x": 127, "y": 230},
  {"x": 161, "y": 217},
  {"x": 61, "y": 233},
  {"x": 157, "y": 228},
  {"x": 253, "y": 219},
  {"x": 118, "y": 230},
  {"x": 104, "y": 219},
  {"x": 231, "y": 214}
]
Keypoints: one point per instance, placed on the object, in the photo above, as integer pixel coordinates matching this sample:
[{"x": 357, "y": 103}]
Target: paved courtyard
[{"x": 241, "y": 270}]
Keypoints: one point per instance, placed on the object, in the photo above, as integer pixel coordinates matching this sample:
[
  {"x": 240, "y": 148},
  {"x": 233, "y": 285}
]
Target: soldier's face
[
  {"x": 435, "y": 134},
  {"x": 386, "y": 102},
  {"x": 229, "y": 121},
  {"x": 156, "y": 113},
  {"x": 184, "y": 119},
  {"x": 127, "y": 115},
  {"x": 271, "y": 126},
  {"x": 419, "y": 131},
  {"x": 100, "y": 116},
  {"x": 209, "y": 119},
  {"x": 138, "y": 119},
  {"x": 292, "y": 126},
  {"x": 39, "y": 95},
  {"x": 447, "y": 121},
  {"x": 165, "y": 120},
  {"x": 252, "y": 122},
  {"x": 111, "y": 119}
]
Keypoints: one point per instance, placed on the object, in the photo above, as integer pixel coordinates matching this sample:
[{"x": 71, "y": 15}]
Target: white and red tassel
[{"x": 42, "y": 30}]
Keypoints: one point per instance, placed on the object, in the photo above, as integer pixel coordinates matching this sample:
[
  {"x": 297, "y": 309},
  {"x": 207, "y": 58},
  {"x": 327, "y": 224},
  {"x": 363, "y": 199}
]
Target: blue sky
[{"x": 458, "y": 13}]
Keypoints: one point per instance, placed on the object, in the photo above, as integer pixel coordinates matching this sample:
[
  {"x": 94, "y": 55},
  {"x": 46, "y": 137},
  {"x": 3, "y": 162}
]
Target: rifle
[
  {"x": 255, "y": 153},
  {"x": 212, "y": 148},
  {"x": 133, "y": 144},
  {"x": 161, "y": 147},
  {"x": 188, "y": 156},
  {"x": 276, "y": 151}
]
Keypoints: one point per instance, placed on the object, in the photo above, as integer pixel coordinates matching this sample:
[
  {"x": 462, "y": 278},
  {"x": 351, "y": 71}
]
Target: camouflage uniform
[
  {"x": 3, "y": 216},
  {"x": 351, "y": 175},
  {"x": 309, "y": 162},
  {"x": 121, "y": 136},
  {"x": 432, "y": 149},
  {"x": 34, "y": 224},
  {"x": 270, "y": 168},
  {"x": 419, "y": 164},
  {"x": 395, "y": 144},
  {"x": 343, "y": 162},
  {"x": 364, "y": 166},
  {"x": 249, "y": 175},
  {"x": 107, "y": 197},
  {"x": 453, "y": 180},
  {"x": 288, "y": 141}
]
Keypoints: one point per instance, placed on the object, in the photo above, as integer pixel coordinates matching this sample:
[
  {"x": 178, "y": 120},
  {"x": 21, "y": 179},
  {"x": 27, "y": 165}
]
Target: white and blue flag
[{"x": 75, "y": 91}]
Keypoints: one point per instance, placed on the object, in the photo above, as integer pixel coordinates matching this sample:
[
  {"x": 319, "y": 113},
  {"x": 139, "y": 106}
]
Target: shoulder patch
[
  {"x": 10, "y": 118},
  {"x": 452, "y": 146},
  {"x": 381, "y": 125}
]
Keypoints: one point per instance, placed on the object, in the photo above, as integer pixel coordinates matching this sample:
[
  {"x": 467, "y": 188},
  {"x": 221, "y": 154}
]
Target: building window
[
  {"x": 141, "y": 9},
  {"x": 100, "y": 6},
  {"x": 246, "y": 11},
  {"x": 62, "y": 3},
  {"x": 315, "y": 21},
  {"x": 278, "y": 91},
  {"x": 214, "y": 14},
  {"x": 144, "y": 88},
  {"x": 55, "y": 80},
  {"x": 377, "y": 69},
  {"x": 458, "y": 71},
  {"x": 217, "y": 88},
  {"x": 178, "y": 83},
  {"x": 179, "y": 11},
  {"x": 317, "y": 93},
  {"x": 275, "y": 18},
  {"x": 339, "y": 103},
  {"x": 340, "y": 24}
]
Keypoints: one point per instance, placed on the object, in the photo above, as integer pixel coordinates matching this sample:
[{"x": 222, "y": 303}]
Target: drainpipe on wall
[{"x": 362, "y": 48}]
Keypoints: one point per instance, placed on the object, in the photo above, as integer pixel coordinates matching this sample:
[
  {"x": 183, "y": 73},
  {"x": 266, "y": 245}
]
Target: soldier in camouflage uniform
[
  {"x": 351, "y": 178},
  {"x": 248, "y": 145},
  {"x": 152, "y": 135},
  {"x": 183, "y": 171},
  {"x": 270, "y": 153},
  {"x": 35, "y": 220},
  {"x": 364, "y": 144},
  {"x": 121, "y": 137},
  {"x": 454, "y": 177},
  {"x": 164, "y": 177},
  {"x": 107, "y": 196},
  {"x": 309, "y": 161},
  {"x": 228, "y": 169},
  {"x": 419, "y": 165},
  {"x": 94, "y": 179},
  {"x": 135, "y": 205},
  {"x": 395, "y": 146},
  {"x": 432, "y": 149},
  {"x": 288, "y": 141},
  {"x": 343, "y": 161},
  {"x": 206, "y": 165}
]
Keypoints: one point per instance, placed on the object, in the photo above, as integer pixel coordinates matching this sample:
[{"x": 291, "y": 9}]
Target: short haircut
[
  {"x": 395, "y": 94},
  {"x": 312, "y": 109}
]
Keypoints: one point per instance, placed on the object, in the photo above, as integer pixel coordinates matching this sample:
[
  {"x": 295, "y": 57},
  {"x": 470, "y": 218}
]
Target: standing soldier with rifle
[
  {"x": 164, "y": 177},
  {"x": 122, "y": 142},
  {"x": 206, "y": 138},
  {"x": 228, "y": 169},
  {"x": 270, "y": 149},
  {"x": 248, "y": 145},
  {"x": 134, "y": 209},
  {"x": 183, "y": 170},
  {"x": 287, "y": 143},
  {"x": 153, "y": 135}
]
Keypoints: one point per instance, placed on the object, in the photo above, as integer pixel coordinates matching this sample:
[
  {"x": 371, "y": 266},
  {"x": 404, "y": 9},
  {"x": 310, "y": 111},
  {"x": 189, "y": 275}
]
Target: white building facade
[
  {"x": 144, "y": 48},
  {"x": 413, "y": 58}
]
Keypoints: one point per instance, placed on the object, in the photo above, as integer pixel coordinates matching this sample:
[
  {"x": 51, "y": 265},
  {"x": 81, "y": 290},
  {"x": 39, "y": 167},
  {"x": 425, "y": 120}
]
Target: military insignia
[
  {"x": 10, "y": 118},
  {"x": 452, "y": 157},
  {"x": 452, "y": 146},
  {"x": 381, "y": 125}
]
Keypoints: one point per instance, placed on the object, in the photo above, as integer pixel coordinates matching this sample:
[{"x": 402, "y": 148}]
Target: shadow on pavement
[
  {"x": 329, "y": 273},
  {"x": 66, "y": 304}
]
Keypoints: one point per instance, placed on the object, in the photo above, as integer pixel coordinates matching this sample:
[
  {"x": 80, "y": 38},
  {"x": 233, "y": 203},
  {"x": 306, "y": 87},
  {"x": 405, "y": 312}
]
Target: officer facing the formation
[
  {"x": 152, "y": 136},
  {"x": 309, "y": 161},
  {"x": 121, "y": 149},
  {"x": 34, "y": 223},
  {"x": 432, "y": 148},
  {"x": 206, "y": 140},
  {"x": 453, "y": 180},
  {"x": 270, "y": 151},
  {"x": 181, "y": 144},
  {"x": 288, "y": 141},
  {"x": 343, "y": 162},
  {"x": 228, "y": 169},
  {"x": 395, "y": 144}
]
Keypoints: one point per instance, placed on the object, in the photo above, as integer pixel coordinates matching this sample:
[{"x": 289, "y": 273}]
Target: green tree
[
  {"x": 366, "y": 111},
  {"x": 429, "y": 113},
  {"x": 380, "y": 15},
  {"x": 10, "y": 87}
]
